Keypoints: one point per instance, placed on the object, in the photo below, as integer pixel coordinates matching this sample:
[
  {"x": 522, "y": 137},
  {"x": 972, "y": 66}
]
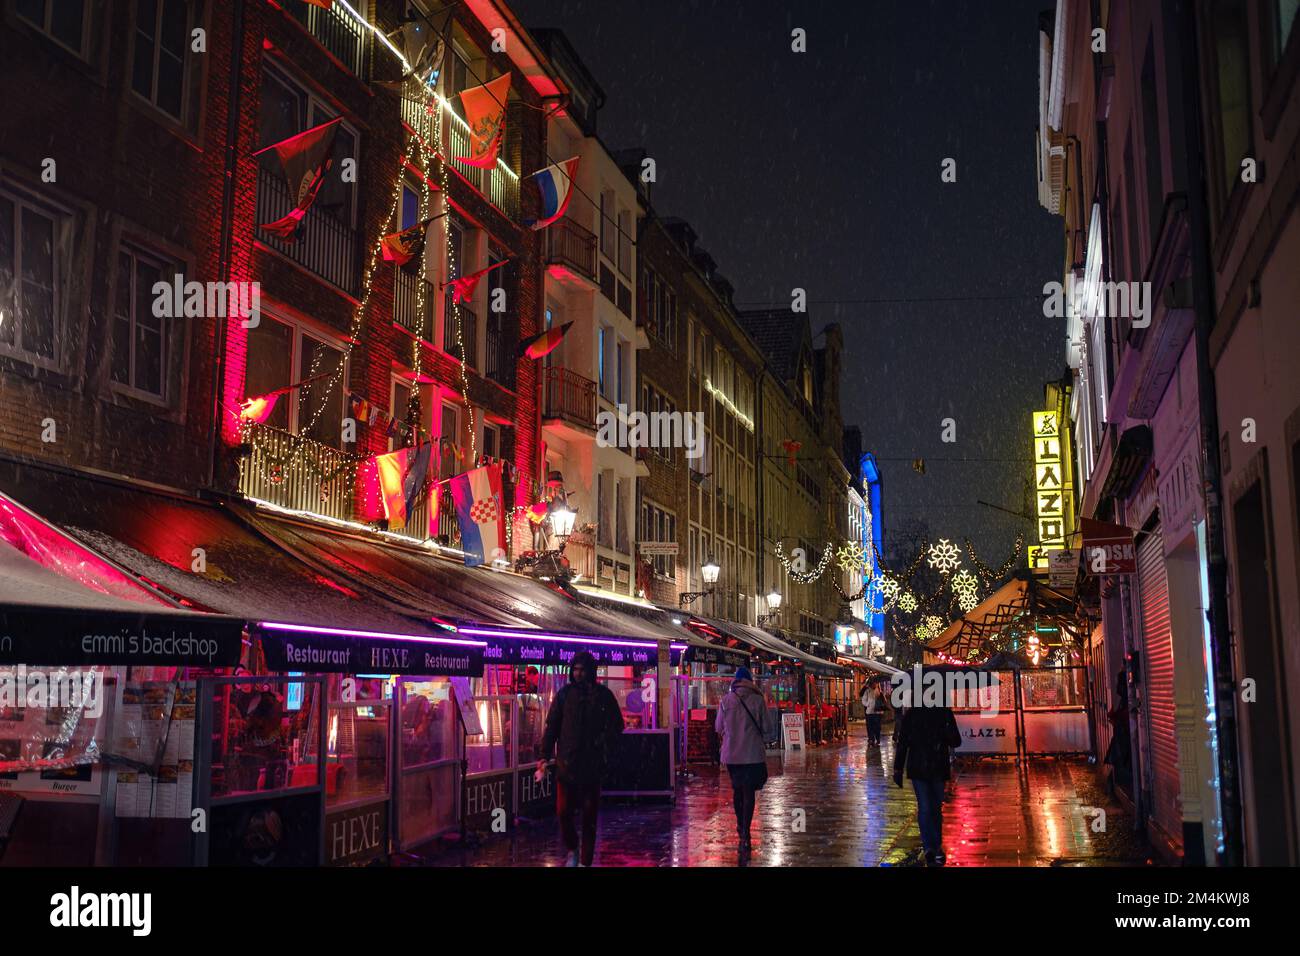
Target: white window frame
[
  {"x": 86, "y": 22},
  {"x": 60, "y": 219},
  {"x": 170, "y": 324}
]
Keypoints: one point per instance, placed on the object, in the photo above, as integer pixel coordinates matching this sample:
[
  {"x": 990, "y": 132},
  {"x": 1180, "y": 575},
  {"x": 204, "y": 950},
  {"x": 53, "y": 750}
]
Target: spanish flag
[{"x": 485, "y": 112}]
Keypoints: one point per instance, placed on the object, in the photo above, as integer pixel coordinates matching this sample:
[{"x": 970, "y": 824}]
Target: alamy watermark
[
  {"x": 24, "y": 686},
  {"x": 215, "y": 300},
  {"x": 1124, "y": 300},
  {"x": 632, "y": 430},
  {"x": 964, "y": 690}
]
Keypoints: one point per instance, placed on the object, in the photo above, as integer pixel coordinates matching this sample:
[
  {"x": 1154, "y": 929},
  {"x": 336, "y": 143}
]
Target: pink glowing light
[{"x": 376, "y": 635}]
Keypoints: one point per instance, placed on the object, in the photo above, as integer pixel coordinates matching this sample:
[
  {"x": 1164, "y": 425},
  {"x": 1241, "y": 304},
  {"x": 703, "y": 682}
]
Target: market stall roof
[
  {"x": 878, "y": 666},
  {"x": 61, "y": 605},
  {"x": 438, "y": 586},
  {"x": 153, "y": 536},
  {"x": 769, "y": 643},
  {"x": 1021, "y": 596}
]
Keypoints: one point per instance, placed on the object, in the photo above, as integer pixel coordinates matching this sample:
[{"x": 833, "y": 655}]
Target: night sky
[{"x": 822, "y": 170}]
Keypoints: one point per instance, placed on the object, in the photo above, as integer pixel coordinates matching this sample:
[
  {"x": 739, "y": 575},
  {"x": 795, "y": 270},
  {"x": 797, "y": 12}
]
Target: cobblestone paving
[{"x": 837, "y": 806}]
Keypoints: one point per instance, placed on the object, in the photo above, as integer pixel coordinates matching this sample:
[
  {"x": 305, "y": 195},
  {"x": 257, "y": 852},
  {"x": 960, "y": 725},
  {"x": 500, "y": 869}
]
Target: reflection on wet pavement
[{"x": 838, "y": 806}]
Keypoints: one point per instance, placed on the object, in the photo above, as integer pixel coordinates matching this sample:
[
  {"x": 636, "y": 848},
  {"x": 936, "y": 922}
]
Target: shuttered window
[{"x": 1158, "y": 686}]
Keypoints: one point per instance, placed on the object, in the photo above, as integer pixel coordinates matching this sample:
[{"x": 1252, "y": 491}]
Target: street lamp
[
  {"x": 709, "y": 571},
  {"x": 562, "y": 518},
  {"x": 773, "y": 605}
]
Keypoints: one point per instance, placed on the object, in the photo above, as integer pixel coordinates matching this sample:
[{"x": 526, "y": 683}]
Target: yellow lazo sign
[{"x": 1051, "y": 480}]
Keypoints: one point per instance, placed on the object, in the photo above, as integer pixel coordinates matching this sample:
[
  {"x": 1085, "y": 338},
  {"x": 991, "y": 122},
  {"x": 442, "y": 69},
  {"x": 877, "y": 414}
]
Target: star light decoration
[
  {"x": 944, "y": 556},
  {"x": 907, "y": 603}
]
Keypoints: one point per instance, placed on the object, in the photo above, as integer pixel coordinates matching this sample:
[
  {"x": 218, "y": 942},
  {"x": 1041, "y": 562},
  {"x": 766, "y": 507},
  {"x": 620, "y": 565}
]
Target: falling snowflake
[
  {"x": 851, "y": 556},
  {"x": 907, "y": 603},
  {"x": 944, "y": 556},
  {"x": 967, "y": 600},
  {"x": 963, "y": 582}
]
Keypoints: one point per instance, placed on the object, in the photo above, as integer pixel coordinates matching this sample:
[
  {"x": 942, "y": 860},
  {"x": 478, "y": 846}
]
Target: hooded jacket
[
  {"x": 581, "y": 727},
  {"x": 741, "y": 714}
]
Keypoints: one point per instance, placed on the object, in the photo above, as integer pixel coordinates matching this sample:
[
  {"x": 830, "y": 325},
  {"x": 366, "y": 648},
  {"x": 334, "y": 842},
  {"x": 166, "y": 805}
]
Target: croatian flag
[
  {"x": 480, "y": 513},
  {"x": 556, "y": 186}
]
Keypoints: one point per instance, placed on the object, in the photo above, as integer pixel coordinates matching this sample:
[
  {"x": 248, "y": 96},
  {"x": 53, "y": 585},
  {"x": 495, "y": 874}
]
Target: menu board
[
  {"x": 155, "y": 739},
  {"x": 46, "y": 746}
]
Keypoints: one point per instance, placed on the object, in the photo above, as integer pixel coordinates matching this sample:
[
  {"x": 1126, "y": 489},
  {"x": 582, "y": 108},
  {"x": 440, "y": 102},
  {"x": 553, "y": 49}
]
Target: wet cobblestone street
[{"x": 837, "y": 806}]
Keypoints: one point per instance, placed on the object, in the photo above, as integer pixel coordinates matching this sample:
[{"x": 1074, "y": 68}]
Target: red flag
[
  {"x": 258, "y": 410},
  {"x": 463, "y": 288},
  {"x": 323, "y": 4},
  {"x": 543, "y": 343},
  {"x": 305, "y": 158},
  {"x": 402, "y": 247},
  {"x": 485, "y": 112}
]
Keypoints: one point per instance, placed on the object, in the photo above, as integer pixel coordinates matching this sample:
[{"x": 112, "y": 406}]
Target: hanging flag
[
  {"x": 359, "y": 406},
  {"x": 479, "y": 512},
  {"x": 556, "y": 186},
  {"x": 435, "y": 507},
  {"x": 485, "y": 111},
  {"x": 402, "y": 247},
  {"x": 424, "y": 48},
  {"x": 305, "y": 158},
  {"x": 543, "y": 343},
  {"x": 415, "y": 475},
  {"x": 323, "y": 4},
  {"x": 462, "y": 288},
  {"x": 258, "y": 410},
  {"x": 791, "y": 449},
  {"x": 392, "y": 477}
]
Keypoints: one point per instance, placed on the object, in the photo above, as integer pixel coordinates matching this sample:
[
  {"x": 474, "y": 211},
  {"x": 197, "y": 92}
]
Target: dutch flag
[
  {"x": 480, "y": 512},
  {"x": 556, "y": 186}
]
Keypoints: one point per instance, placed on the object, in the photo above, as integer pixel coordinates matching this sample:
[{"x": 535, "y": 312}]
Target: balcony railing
[
  {"x": 327, "y": 246},
  {"x": 407, "y": 301},
  {"x": 460, "y": 325},
  {"x": 498, "y": 366},
  {"x": 297, "y": 473},
  {"x": 338, "y": 32},
  {"x": 569, "y": 244},
  {"x": 569, "y": 396},
  {"x": 498, "y": 185}
]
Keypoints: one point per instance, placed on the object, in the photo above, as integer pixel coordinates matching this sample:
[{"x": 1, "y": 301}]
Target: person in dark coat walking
[
  {"x": 581, "y": 728},
  {"x": 925, "y": 742}
]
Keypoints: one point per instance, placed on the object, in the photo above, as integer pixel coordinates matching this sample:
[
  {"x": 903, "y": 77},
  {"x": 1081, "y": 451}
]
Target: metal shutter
[{"x": 1158, "y": 685}]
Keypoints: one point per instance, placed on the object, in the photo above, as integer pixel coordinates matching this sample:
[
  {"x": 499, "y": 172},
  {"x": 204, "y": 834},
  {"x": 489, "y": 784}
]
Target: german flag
[{"x": 543, "y": 343}]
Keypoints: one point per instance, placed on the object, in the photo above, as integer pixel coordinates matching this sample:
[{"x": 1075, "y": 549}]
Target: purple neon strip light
[
  {"x": 531, "y": 636},
  {"x": 378, "y": 635}
]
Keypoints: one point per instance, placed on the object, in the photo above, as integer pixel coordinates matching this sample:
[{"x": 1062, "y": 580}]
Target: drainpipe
[
  {"x": 1225, "y": 698},
  {"x": 227, "y": 219}
]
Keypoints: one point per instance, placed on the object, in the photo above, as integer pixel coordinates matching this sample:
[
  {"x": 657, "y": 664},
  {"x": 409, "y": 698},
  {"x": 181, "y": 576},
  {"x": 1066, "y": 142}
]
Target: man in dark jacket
[
  {"x": 924, "y": 746},
  {"x": 581, "y": 728}
]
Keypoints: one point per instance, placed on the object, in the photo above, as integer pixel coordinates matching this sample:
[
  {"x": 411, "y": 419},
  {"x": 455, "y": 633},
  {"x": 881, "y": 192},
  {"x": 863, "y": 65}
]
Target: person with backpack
[
  {"x": 582, "y": 727},
  {"x": 925, "y": 743},
  {"x": 745, "y": 725}
]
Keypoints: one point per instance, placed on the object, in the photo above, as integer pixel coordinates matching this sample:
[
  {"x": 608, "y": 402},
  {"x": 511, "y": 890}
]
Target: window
[
  {"x": 608, "y": 226},
  {"x": 400, "y": 402},
  {"x": 64, "y": 20},
  {"x": 281, "y": 354},
  {"x": 1232, "y": 93},
  {"x": 159, "y": 69},
  {"x": 621, "y": 368},
  {"x": 1280, "y": 17},
  {"x": 625, "y": 242},
  {"x": 449, "y": 435},
  {"x": 602, "y": 344},
  {"x": 658, "y": 525},
  {"x": 287, "y": 110},
  {"x": 140, "y": 338},
  {"x": 31, "y": 241},
  {"x": 491, "y": 441},
  {"x": 458, "y": 79}
]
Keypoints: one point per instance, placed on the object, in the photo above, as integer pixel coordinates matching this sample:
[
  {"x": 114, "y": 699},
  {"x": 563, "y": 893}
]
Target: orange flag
[
  {"x": 392, "y": 473},
  {"x": 485, "y": 111}
]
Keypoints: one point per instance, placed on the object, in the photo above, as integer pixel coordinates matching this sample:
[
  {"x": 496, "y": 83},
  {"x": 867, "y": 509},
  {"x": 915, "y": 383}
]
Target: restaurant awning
[
  {"x": 201, "y": 556},
  {"x": 765, "y": 642},
  {"x": 867, "y": 663},
  {"x": 61, "y": 606}
]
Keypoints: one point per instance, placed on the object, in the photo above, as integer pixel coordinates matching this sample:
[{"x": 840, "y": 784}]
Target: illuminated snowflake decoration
[
  {"x": 944, "y": 556},
  {"x": 851, "y": 556},
  {"x": 967, "y": 601},
  {"x": 888, "y": 586},
  {"x": 907, "y": 603},
  {"x": 963, "y": 582},
  {"x": 934, "y": 623}
]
